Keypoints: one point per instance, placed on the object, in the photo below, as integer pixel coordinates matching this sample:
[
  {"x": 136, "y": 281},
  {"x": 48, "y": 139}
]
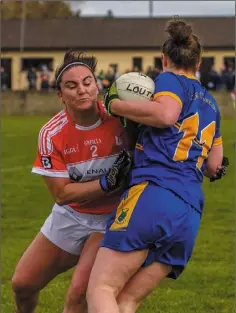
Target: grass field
[{"x": 207, "y": 284}]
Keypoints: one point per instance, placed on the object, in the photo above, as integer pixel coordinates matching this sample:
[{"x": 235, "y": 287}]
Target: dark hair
[
  {"x": 73, "y": 56},
  {"x": 182, "y": 47}
]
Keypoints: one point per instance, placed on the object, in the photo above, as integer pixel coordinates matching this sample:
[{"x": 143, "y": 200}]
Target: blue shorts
[{"x": 154, "y": 218}]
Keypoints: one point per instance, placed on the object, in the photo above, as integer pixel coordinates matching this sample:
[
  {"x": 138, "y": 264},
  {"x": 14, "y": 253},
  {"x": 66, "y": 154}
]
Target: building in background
[{"x": 124, "y": 44}]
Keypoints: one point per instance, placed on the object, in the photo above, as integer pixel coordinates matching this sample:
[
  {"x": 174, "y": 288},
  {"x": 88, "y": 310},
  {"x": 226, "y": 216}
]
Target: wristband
[{"x": 103, "y": 184}]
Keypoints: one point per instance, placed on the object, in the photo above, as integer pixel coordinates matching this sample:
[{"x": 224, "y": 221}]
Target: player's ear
[
  {"x": 198, "y": 66},
  {"x": 97, "y": 89},
  {"x": 59, "y": 94}
]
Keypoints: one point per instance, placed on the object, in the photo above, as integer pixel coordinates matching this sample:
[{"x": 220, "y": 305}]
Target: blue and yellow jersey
[{"x": 175, "y": 157}]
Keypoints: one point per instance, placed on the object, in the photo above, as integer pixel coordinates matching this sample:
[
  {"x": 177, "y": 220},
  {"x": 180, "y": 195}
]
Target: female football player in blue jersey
[{"x": 151, "y": 235}]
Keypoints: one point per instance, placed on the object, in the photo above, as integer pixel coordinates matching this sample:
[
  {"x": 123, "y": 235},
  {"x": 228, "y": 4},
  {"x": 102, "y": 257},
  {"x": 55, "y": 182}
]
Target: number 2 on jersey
[
  {"x": 94, "y": 151},
  {"x": 190, "y": 128}
]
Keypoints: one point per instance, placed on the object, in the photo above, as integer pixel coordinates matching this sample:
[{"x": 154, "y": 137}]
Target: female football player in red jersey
[
  {"x": 151, "y": 235},
  {"x": 82, "y": 159}
]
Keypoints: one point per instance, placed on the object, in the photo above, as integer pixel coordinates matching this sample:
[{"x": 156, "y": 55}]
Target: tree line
[{"x": 36, "y": 9}]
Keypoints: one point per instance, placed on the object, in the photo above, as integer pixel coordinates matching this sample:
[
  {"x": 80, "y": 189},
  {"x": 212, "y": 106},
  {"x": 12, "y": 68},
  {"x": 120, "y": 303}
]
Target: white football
[{"x": 135, "y": 86}]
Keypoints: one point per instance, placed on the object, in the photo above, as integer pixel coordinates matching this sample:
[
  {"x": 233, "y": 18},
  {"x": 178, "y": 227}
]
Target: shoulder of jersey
[
  {"x": 103, "y": 111},
  {"x": 163, "y": 74},
  {"x": 52, "y": 128}
]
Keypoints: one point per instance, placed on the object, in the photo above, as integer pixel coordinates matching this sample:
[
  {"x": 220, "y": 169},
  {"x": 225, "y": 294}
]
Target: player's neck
[
  {"x": 181, "y": 72},
  {"x": 86, "y": 118}
]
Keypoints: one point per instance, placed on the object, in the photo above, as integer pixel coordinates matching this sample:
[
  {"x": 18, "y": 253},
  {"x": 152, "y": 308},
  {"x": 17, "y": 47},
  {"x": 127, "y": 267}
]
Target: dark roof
[{"x": 111, "y": 33}]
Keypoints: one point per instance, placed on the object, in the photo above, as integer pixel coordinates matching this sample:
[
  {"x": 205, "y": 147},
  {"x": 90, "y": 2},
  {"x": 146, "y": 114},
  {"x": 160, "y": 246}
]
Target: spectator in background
[
  {"x": 53, "y": 85},
  {"x": 157, "y": 72},
  {"x": 105, "y": 80},
  {"x": 32, "y": 78},
  {"x": 153, "y": 73},
  {"x": 114, "y": 69},
  {"x": 228, "y": 77},
  {"x": 136, "y": 69},
  {"x": 100, "y": 80},
  {"x": 214, "y": 80},
  {"x": 4, "y": 78},
  {"x": 44, "y": 77},
  {"x": 150, "y": 72},
  {"x": 101, "y": 75},
  {"x": 110, "y": 76}
]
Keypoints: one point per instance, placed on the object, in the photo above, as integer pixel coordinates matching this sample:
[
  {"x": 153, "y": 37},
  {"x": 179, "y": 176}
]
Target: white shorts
[{"x": 69, "y": 229}]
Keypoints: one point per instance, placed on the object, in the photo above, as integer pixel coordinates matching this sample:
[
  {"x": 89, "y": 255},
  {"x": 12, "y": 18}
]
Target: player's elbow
[
  {"x": 57, "y": 187},
  {"x": 166, "y": 111},
  {"x": 164, "y": 119},
  {"x": 169, "y": 120},
  {"x": 60, "y": 199}
]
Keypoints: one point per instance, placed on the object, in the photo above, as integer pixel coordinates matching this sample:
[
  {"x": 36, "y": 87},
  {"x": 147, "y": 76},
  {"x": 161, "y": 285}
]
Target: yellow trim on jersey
[
  {"x": 170, "y": 94},
  {"x": 138, "y": 146},
  {"x": 177, "y": 125},
  {"x": 126, "y": 207},
  {"x": 218, "y": 141}
]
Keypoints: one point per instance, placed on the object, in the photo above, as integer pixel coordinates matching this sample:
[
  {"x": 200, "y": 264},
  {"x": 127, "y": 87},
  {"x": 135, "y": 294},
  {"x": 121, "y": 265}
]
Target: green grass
[{"x": 207, "y": 284}]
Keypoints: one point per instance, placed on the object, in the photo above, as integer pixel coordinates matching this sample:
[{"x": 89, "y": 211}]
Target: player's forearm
[
  {"x": 80, "y": 192},
  {"x": 214, "y": 159},
  {"x": 144, "y": 112}
]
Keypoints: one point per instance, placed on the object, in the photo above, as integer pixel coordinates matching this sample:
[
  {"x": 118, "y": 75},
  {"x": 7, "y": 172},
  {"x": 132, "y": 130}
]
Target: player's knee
[
  {"x": 94, "y": 290},
  {"x": 76, "y": 294},
  {"x": 21, "y": 286},
  {"x": 128, "y": 299}
]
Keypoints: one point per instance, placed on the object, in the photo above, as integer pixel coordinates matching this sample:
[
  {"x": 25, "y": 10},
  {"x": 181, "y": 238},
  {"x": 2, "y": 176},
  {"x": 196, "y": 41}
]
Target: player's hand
[
  {"x": 118, "y": 173},
  {"x": 110, "y": 96},
  {"x": 221, "y": 170}
]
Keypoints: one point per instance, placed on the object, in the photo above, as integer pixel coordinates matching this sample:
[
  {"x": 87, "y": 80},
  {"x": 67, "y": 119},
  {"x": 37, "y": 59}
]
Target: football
[{"x": 135, "y": 86}]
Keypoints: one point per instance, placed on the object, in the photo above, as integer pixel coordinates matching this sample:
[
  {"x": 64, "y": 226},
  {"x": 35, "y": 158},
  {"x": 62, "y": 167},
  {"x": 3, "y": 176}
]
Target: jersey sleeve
[
  {"x": 217, "y": 138},
  {"x": 167, "y": 84},
  {"x": 49, "y": 161}
]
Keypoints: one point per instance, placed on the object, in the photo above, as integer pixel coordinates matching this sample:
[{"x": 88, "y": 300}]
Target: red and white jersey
[{"x": 81, "y": 153}]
